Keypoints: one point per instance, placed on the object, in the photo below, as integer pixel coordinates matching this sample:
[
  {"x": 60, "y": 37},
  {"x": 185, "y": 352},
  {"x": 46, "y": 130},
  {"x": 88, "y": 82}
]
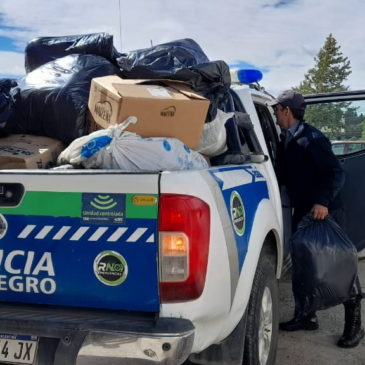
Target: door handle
[{"x": 11, "y": 194}]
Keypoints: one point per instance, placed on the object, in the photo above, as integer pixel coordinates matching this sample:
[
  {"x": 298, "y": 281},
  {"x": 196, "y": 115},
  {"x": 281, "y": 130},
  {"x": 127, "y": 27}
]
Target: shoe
[
  {"x": 353, "y": 341},
  {"x": 352, "y": 333},
  {"x": 300, "y": 323}
]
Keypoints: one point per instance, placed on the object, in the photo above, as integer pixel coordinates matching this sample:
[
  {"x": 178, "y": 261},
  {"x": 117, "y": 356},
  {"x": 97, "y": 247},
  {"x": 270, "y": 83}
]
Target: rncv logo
[
  {"x": 238, "y": 214},
  {"x": 110, "y": 268}
]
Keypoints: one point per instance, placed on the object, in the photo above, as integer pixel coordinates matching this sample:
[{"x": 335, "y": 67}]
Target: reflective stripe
[
  {"x": 137, "y": 234},
  {"x": 79, "y": 233},
  {"x": 95, "y": 233},
  {"x": 26, "y": 231},
  {"x": 117, "y": 234},
  {"x": 43, "y": 232},
  {"x": 98, "y": 233},
  {"x": 61, "y": 232},
  {"x": 151, "y": 238}
]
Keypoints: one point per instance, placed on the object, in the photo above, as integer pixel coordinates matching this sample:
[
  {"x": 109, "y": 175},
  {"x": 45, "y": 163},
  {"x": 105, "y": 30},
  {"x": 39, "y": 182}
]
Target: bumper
[{"x": 80, "y": 337}]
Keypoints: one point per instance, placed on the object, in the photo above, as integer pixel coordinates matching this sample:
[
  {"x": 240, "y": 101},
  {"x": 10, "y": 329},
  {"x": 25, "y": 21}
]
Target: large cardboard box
[
  {"x": 25, "y": 151},
  {"x": 164, "y": 108}
]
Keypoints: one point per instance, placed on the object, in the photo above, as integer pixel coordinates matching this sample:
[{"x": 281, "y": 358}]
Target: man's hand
[{"x": 319, "y": 211}]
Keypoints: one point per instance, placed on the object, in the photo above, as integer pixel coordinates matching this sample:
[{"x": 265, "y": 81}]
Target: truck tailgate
[{"x": 79, "y": 238}]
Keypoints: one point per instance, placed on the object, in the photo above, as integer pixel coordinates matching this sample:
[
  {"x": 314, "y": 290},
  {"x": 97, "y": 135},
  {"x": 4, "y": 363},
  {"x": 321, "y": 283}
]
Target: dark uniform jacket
[{"x": 310, "y": 171}]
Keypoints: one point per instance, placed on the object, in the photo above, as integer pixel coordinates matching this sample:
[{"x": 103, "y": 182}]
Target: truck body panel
[
  {"x": 233, "y": 250},
  {"x": 79, "y": 244}
]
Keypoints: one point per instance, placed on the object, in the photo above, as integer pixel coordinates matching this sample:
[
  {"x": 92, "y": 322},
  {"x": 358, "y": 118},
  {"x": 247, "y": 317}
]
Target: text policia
[{"x": 23, "y": 270}]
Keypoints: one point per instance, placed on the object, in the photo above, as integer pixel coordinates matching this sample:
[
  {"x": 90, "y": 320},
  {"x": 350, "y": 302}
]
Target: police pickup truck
[{"x": 105, "y": 267}]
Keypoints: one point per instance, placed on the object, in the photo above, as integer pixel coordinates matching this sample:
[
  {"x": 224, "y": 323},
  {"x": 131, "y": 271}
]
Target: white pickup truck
[{"x": 105, "y": 267}]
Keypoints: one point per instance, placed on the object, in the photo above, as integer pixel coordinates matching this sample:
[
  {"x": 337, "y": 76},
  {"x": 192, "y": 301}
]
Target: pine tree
[
  {"x": 328, "y": 75},
  {"x": 330, "y": 71}
]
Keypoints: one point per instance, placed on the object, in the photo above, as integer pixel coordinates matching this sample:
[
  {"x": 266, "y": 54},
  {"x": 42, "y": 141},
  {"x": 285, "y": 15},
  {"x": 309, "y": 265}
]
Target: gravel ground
[{"x": 317, "y": 347}]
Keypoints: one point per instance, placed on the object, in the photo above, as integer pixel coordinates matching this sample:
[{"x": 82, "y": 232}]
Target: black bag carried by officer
[{"x": 324, "y": 264}]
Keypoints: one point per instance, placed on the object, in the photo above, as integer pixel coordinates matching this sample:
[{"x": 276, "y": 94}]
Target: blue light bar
[{"x": 248, "y": 76}]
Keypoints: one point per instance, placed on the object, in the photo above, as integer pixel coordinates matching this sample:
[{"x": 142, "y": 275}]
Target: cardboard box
[
  {"x": 24, "y": 151},
  {"x": 164, "y": 108}
]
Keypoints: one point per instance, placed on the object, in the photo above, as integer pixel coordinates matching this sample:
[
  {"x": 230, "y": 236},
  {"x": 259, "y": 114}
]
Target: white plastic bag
[
  {"x": 81, "y": 149},
  {"x": 114, "y": 148},
  {"x": 213, "y": 139},
  {"x": 133, "y": 153}
]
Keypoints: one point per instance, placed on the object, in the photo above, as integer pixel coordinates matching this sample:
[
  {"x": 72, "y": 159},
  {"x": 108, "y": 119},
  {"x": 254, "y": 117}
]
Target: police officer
[{"x": 313, "y": 178}]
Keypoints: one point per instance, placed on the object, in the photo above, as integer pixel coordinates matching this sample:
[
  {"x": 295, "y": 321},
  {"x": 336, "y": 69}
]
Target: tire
[{"x": 261, "y": 335}]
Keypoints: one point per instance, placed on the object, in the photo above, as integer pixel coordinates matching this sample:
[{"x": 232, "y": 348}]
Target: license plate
[{"x": 17, "y": 349}]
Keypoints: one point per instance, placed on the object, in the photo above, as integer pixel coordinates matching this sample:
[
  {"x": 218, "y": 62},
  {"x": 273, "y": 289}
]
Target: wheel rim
[{"x": 265, "y": 328}]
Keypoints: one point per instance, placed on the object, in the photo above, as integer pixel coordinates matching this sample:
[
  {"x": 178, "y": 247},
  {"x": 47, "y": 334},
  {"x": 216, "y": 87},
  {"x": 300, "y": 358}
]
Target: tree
[
  {"x": 354, "y": 122},
  {"x": 330, "y": 71},
  {"x": 328, "y": 75}
]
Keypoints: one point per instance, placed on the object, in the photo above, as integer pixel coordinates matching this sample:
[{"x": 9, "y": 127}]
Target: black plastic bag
[
  {"x": 9, "y": 96},
  {"x": 45, "y": 49},
  {"x": 212, "y": 80},
  {"x": 162, "y": 60},
  {"x": 324, "y": 264},
  {"x": 181, "y": 60},
  {"x": 54, "y": 97}
]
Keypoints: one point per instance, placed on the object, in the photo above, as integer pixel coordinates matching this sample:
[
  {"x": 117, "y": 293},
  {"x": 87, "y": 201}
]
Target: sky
[{"x": 279, "y": 37}]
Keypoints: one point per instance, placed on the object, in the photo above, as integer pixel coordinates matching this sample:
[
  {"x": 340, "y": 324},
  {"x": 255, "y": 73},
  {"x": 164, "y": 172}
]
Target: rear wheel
[{"x": 262, "y": 317}]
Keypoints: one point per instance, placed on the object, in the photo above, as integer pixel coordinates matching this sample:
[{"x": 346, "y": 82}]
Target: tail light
[{"x": 184, "y": 226}]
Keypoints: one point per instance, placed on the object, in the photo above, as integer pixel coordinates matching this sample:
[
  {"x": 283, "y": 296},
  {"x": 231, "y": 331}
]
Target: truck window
[
  {"x": 269, "y": 130},
  {"x": 343, "y": 122},
  {"x": 242, "y": 142}
]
